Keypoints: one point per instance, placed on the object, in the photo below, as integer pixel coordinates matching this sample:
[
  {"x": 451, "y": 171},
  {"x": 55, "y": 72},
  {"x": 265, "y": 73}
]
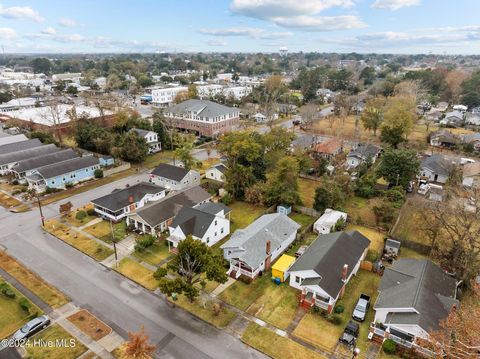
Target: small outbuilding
[
  {"x": 326, "y": 223},
  {"x": 284, "y": 209},
  {"x": 281, "y": 267},
  {"x": 392, "y": 247}
]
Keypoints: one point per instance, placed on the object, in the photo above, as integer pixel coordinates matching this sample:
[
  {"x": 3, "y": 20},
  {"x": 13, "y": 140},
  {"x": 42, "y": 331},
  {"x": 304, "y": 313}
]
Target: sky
[{"x": 104, "y": 26}]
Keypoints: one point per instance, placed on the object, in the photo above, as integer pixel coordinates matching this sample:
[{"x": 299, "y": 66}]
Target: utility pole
[
  {"x": 40, "y": 208},
  {"x": 114, "y": 244}
]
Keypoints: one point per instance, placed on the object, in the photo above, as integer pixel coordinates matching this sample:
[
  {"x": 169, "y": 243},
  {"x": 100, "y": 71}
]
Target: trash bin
[{"x": 174, "y": 296}]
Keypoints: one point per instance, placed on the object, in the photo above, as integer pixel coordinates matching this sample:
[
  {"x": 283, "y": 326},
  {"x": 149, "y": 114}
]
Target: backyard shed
[
  {"x": 281, "y": 267},
  {"x": 285, "y": 209}
]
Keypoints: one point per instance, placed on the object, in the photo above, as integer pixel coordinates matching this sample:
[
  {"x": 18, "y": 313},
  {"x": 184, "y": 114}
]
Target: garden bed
[{"x": 90, "y": 325}]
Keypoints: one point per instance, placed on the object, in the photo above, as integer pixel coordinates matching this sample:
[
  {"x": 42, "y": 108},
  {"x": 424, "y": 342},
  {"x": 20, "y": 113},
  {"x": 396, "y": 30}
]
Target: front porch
[
  {"x": 309, "y": 299},
  {"x": 238, "y": 268}
]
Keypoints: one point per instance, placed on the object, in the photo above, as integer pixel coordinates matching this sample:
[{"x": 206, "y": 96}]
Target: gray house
[
  {"x": 174, "y": 177},
  {"x": 362, "y": 154},
  {"x": 415, "y": 296},
  {"x": 251, "y": 250},
  {"x": 436, "y": 168}
]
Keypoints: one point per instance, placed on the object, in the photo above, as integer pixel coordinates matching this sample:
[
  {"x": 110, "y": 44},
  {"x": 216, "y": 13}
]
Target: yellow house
[{"x": 280, "y": 268}]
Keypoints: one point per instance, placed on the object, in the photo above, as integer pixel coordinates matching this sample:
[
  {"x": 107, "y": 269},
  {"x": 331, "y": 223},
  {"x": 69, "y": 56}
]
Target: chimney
[
  {"x": 130, "y": 199},
  {"x": 344, "y": 273},
  {"x": 268, "y": 247}
]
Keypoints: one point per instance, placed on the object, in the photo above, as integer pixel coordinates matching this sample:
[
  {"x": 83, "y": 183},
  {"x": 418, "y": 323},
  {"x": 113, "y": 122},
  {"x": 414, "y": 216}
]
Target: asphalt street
[{"x": 119, "y": 302}]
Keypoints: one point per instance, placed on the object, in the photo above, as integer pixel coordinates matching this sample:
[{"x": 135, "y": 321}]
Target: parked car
[
  {"x": 350, "y": 334},
  {"x": 360, "y": 311},
  {"x": 32, "y": 327}
]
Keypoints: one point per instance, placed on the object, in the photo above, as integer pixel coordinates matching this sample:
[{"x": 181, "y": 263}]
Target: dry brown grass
[{"x": 90, "y": 325}]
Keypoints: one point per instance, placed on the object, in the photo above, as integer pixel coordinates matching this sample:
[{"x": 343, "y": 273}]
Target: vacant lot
[
  {"x": 154, "y": 254},
  {"x": 315, "y": 329},
  {"x": 55, "y": 332},
  {"x": 103, "y": 231},
  {"x": 301, "y": 219},
  {"x": 275, "y": 304},
  {"x": 376, "y": 237},
  {"x": 203, "y": 308},
  {"x": 77, "y": 240},
  {"x": 72, "y": 216},
  {"x": 8, "y": 201},
  {"x": 307, "y": 191},
  {"x": 243, "y": 214},
  {"x": 274, "y": 345},
  {"x": 410, "y": 223},
  {"x": 90, "y": 325},
  {"x": 49, "y": 294},
  {"x": 12, "y": 315},
  {"x": 136, "y": 272}
]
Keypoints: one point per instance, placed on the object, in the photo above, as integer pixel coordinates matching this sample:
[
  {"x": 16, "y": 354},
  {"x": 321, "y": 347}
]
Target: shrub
[
  {"x": 227, "y": 199},
  {"x": 144, "y": 242},
  {"x": 98, "y": 173},
  {"x": 372, "y": 256},
  {"x": 68, "y": 185},
  {"x": 25, "y": 304},
  {"x": 91, "y": 211},
  {"x": 81, "y": 215},
  {"x": 389, "y": 346},
  {"x": 160, "y": 273},
  {"x": 49, "y": 190},
  {"x": 334, "y": 319},
  {"x": 316, "y": 310},
  {"x": 339, "y": 309},
  {"x": 8, "y": 292}
]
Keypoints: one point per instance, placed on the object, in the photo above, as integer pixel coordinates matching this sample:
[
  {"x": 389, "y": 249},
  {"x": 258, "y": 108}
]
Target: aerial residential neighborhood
[{"x": 240, "y": 179}]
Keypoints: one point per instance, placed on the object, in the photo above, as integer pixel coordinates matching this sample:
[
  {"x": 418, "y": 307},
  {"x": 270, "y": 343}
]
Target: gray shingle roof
[
  {"x": 140, "y": 132},
  {"x": 365, "y": 151},
  {"x": 275, "y": 227},
  {"x": 193, "y": 221},
  {"x": 67, "y": 166},
  {"x": 169, "y": 171},
  {"x": 158, "y": 212},
  {"x": 27, "y": 153},
  {"x": 221, "y": 167},
  {"x": 213, "y": 208},
  {"x": 202, "y": 108},
  {"x": 418, "y": 284},
  {"x": 328, "y": 254},
  {"x": 43, "y": 160},
  {"x": 19, "y": 146},
  {"x": 119, "y": 198},
  {"x": 437, "y": 164}
]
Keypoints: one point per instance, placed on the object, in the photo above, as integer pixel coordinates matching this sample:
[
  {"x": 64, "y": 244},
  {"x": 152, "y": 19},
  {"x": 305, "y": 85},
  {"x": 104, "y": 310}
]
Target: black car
[
  {"x": 350, "y": 334},
  {"x": 32, "y": 327}
]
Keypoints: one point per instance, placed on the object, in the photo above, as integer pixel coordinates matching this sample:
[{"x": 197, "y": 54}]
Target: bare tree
[
  {"x": 309, "y": 114},
  {"x": 53, "y": 114}
]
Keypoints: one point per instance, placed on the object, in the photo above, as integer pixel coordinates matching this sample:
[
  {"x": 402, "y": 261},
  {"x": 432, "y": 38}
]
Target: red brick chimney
[
  {"x": 344, "y": 273},
  {"x": 268, "y": 247}
]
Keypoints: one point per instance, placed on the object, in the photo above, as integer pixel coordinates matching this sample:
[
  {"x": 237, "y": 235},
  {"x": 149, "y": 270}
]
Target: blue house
[{"x": 62, "y": 174}]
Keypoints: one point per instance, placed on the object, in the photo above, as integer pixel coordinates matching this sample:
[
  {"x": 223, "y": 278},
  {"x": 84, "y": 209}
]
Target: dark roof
[
  {"x": 67, "y": 166},
  {"x": 202, "y": 108},
  {"x": 43, "y": 160},
  {"x": 193, "y": 221},
  {"x": 158, "y": 212},
  {"x": 437, "y": 164},
  {"x": 119, "y": 198},
  {"x": 327, "y": 255},
  {"x": 221, "y": 167},
  {"x": 18, "y": 146},
  {"x": 419, "y": 284},
  {"x": 169, "y": 171},
  {"x": 365, "y": 151},
  {"x": 213, "y": 208},
  {"x": 27, "y": 153}
]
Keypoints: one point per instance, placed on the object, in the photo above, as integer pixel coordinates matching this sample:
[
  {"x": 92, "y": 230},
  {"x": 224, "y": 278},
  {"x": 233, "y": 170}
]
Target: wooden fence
[{"x": 117, "y": 169}]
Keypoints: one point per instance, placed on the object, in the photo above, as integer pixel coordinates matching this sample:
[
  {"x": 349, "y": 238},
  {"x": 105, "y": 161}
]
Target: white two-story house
[
  {"x": 174, "y": 178},
  {"x": 151, "y": 138}
]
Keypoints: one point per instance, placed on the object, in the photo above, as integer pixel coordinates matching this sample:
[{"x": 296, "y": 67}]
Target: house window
[
  {"x": 221, "y": 230},
  {"x": 216, "y": 222},
  {"x": 208, "y": 239},
  {"x": 215, "y": 234},
  {"x": 298, "y": 280}
]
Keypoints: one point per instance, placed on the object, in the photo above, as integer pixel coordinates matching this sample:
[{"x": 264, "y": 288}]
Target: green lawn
[
  {"x": 243, "y": 214},
  {"x": 136, "y": 272},
  {"x": 154, "y": 254},
  {"x": 302, "y": 219},
  {"x": 12, "y": 316},
  {"x": 376, "y": 237},
  {"x": 276, "y": 346},
  {"x": 103, "y": 231},
  {"x": 204, "y": 309},
  {"x": 275, "y": 304},
  {"x": 164, "y": 156},
  {"x": 316, "y": 330},
  {"x": 72, "y": 219},
  {"x": 410, "y": 224},
  {"x": 55, "y": 332}
]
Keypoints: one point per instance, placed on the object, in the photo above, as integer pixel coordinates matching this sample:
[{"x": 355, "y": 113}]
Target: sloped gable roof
[{"x": 171, "y": 172}]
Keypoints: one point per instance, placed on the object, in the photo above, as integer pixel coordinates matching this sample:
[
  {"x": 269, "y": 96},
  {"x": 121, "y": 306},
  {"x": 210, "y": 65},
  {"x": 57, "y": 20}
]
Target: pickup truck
[
  {"x": 350, "y": 334},
  {"x": 360, "y": 311}
]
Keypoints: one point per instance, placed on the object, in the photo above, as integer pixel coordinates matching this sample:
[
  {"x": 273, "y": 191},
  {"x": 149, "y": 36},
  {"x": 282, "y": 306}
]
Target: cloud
[
  {"x": 251, "y": 32},
  {"x": 7, "y": 33},
  {"x": 216, "y": 42},
  {"x": 394, "y": 4},
  {"x": 302, "y": 15},
  {"x": 20, "y": 13},
  {"x": 49, "y": 31},
  {"x": 66, "y": 22}
]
